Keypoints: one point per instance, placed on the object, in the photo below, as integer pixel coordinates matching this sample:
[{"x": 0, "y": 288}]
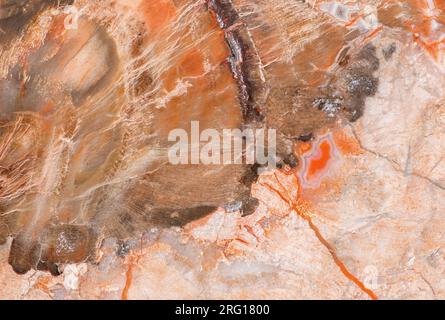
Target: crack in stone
[{"x": 340, "y": 264}]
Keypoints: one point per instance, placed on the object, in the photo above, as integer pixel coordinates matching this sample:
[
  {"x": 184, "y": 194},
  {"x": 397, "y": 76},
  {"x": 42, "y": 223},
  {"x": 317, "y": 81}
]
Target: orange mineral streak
[
  {"x": 128, "y": 282},
  {"x": 192, "y": 65},
  {"x": 320, "y": 163},
  {"x": 43, "y": 283},
  {"x": 424, "y": 19},
  {"x": 433, "y": 48},
  {"x": 300, "y": 206},
  {"x": 198, "y": 74},
  {"x": 57, "y": 30},
  {"x": 132, "y": 260},
  {"x": 354, "y": 20},
  {"x": 337, "y": 260},
  {"x": 373, "y": 34}
]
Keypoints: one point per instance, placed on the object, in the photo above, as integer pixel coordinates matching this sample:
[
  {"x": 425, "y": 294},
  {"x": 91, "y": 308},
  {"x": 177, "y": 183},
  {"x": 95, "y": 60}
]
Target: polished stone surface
[{"x": 91, "y": 208}]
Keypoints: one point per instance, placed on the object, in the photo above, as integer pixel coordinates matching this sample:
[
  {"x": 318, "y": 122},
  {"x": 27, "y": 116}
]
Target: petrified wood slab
[{"x": 90, "y": 91}]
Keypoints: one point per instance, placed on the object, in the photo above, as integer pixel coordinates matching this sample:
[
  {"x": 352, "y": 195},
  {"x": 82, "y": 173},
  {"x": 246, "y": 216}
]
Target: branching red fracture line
[{"x": 323, "y": 241}]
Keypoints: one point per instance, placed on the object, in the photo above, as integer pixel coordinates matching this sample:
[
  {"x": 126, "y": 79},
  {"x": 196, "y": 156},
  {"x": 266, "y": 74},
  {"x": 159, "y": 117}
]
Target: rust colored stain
[
  {"x": 132, "y": 261},
  {"x": 320, "y": 163},
  {"x": 48, "y": 107},
  {"x": 42, "y": 284},
  {"x": 128, "y": 282}
]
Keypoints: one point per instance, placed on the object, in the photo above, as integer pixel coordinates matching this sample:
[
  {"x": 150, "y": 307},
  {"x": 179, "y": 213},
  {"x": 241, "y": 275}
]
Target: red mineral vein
[
  {"x": 300, "y": 209},
  {"x": 128, "y": 281},
  {"x": 337, "y": 260}
]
